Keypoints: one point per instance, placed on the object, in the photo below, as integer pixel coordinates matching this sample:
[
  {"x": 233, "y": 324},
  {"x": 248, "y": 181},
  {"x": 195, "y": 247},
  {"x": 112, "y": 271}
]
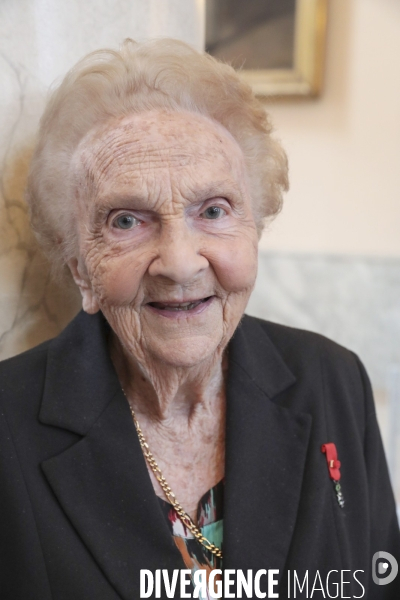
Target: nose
[{"x": 178, "y": 253}]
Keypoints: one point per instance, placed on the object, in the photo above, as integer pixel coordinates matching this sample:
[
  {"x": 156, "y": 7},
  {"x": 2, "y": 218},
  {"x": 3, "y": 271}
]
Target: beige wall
[{"x": 344, "y": 148}]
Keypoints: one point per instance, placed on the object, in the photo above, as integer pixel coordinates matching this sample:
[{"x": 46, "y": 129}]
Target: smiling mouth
[{"x": 178, "y": 306}]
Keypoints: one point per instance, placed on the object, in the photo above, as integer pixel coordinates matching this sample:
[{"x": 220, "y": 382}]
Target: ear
[{"x": 89, "y": 300}]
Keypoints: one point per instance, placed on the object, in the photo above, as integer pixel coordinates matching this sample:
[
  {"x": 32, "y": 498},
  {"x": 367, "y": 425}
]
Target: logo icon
[{"x": 380, "y": 568}]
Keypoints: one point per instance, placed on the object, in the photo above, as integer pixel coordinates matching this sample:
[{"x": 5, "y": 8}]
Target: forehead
[{"x": 165, "y": 143}]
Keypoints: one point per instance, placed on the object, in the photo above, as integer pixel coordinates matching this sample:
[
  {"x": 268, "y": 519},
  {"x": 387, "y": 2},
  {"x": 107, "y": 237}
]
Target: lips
[{"x": 179, "y": 306}]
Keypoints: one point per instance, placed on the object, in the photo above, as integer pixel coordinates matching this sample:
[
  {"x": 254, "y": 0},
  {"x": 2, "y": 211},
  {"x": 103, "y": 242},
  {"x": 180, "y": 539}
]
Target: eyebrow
[
  {"x": 221, "y": 188},
  {"x": 115, "y": 199}
]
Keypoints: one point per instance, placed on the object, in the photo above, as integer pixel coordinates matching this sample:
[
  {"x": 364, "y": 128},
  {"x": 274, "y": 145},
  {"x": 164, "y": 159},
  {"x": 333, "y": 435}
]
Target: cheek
[
  {"x": 236, "y": 266},
  {"x": 117, "y": 281}
]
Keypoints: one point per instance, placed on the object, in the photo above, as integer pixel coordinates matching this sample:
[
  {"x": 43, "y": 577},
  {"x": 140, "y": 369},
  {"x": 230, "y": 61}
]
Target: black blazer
[{"x": 78, "y": 515}]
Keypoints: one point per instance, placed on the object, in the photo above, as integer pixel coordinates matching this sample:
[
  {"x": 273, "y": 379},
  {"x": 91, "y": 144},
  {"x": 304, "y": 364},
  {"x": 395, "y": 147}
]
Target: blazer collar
[
  {"x": 102, "y": 481},
  {"x": 254, "y": 353},
  {"x": 80, "y": 377}
]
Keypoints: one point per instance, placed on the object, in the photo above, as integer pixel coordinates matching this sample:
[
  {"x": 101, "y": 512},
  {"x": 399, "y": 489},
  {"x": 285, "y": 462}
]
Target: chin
[{"x": 185, "y": 353}]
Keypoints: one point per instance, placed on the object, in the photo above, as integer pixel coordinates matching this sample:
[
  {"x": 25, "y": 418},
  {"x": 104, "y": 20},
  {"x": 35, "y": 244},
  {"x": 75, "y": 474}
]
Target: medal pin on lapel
[{"x": 334, "y": 470}]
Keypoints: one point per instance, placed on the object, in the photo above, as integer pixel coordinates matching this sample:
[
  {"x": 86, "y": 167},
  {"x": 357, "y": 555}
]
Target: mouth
[{"x": 181, "y": 307}]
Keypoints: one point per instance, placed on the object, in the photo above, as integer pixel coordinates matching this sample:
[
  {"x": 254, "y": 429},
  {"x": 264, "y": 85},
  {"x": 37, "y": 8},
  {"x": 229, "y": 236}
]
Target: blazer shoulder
[
  {"x": 292, "y": 340},
  {"x": 311, "y": 357},
  {"x": 21, "y": 365},
  {"x": 22, "y": 380}
]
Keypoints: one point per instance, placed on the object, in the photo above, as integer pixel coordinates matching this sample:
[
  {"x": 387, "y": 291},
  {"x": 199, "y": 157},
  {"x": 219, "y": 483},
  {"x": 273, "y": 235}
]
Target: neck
[{"x": 159, "y": 392}]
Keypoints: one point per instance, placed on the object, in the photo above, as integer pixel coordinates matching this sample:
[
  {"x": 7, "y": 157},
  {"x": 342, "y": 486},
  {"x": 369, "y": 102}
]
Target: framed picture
[{"x": 278, "y": 45}]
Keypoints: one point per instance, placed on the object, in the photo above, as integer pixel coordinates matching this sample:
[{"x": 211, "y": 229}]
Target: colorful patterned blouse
[{"x": 210, "y": 523}]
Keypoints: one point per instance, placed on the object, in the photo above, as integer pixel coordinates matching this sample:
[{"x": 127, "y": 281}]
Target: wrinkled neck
[{"x": 159, "y": 392}]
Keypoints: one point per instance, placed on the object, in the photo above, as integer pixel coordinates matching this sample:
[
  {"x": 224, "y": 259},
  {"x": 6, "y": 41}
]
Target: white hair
[{"x": 161, "y": 74}]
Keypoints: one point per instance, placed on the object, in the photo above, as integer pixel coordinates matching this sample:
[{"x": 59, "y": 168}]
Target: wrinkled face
[{"x": 168, "y": 243}]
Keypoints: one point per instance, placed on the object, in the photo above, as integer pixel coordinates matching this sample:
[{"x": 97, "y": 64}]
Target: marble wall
[{"x": 354, "y": 301}]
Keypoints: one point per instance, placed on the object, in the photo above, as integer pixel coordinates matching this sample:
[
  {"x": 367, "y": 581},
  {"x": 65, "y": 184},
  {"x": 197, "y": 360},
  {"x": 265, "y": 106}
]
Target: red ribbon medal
[{"x": 334, "y": 469}]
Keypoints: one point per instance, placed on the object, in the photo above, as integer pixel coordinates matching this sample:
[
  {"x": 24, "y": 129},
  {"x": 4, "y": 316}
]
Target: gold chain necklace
[{"x": 184, "y": 517}]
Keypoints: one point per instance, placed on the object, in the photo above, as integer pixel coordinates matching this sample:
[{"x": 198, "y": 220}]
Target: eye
[
  {"x": 125, "y": 221},
  {"x": 213, "y": 212}
]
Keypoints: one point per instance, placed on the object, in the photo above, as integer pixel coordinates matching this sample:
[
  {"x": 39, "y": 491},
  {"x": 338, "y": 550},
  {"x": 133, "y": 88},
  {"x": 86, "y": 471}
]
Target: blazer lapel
[
  {"x": 266, "y": 449},
  {"x": 101, "y": 481}
]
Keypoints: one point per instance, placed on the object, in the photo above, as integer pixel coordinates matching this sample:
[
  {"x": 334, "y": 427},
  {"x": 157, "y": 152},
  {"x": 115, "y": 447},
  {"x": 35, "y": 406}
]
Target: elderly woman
[{"x": 164, "y": 430}]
